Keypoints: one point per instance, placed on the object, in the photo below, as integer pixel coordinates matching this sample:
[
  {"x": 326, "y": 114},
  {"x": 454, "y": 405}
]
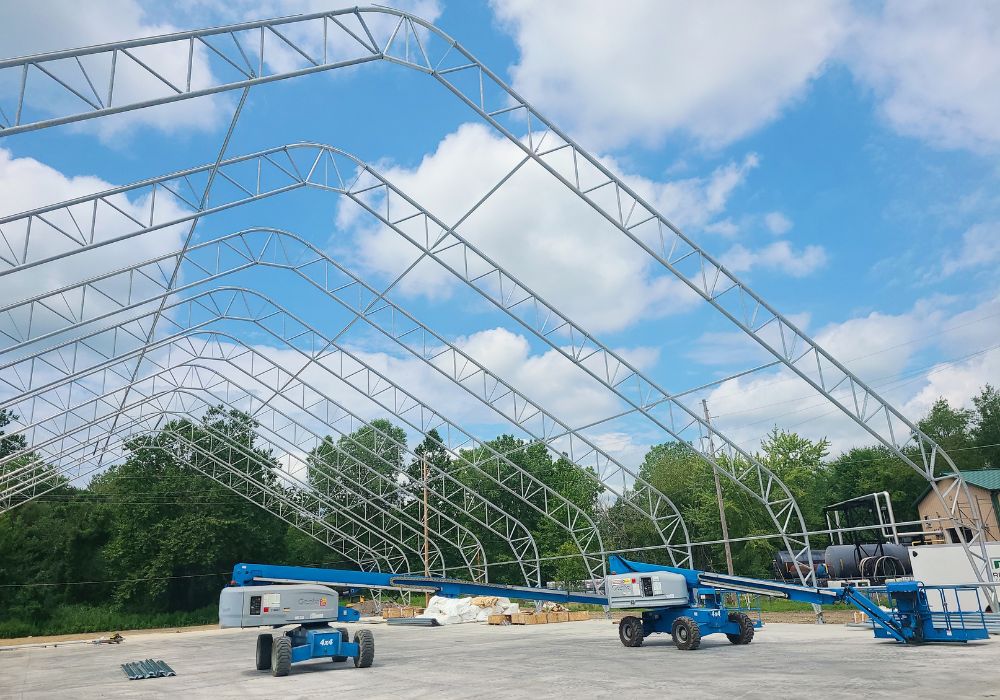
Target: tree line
[{"x": 151, "y": 540}]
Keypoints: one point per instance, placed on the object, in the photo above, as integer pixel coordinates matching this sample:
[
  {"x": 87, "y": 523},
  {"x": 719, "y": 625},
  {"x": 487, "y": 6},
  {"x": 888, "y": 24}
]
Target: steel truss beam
[
  {"x": 334, "y": 280},
  {"x": 379, "y": 506},
  {"x": 183, "y": 356},
  {"x": 369, "y": 555},
  {"x": 493, "y": 466},
  {"x": 375, "y": 386},
  {"x": 370, "y": 190},
  {"x": 100, "y": 408},
  {"x": 463, "y": 370},
  {"x": 417, "y": 44}
]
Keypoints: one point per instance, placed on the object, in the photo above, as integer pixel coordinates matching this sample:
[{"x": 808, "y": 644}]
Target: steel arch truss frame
[
  {"x": 184, "y": 351},
  {"x": 411, "y": 42},
  {"x": 463, "y": 370},
  {"x": 218, "y": 304},
  {"x": 316, "y": 170},
  {"x": 378, "y": 507},
  {"x": 188, "y": 350},
  {"x": 362, "y": 377}
]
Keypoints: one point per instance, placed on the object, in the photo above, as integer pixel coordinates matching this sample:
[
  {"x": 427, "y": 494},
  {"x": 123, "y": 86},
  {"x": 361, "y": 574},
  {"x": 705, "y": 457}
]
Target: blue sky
[{"x": 840, "y": 158}]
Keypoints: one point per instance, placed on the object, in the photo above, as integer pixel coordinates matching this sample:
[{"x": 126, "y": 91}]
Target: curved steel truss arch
[
  {"x": 412, "y": 43},
  {"x": 183, "y": 352},
  {"x": 463, "y": 370},
  {"x": 378, "y": 505},
  {"x": 497, "y": 468},
  {"x": 100, "y": 407},
  {"x": 501, "y": 470}
]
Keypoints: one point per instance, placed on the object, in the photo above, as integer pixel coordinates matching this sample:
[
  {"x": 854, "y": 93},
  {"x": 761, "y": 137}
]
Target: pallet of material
[
  {"x": 404, "y": 611},
  {"x": 579, "y": 616},
  {"x": 498, "y": 619},
  {"x": 557, "y": 617},
  {"x": 528, "y": 619}
]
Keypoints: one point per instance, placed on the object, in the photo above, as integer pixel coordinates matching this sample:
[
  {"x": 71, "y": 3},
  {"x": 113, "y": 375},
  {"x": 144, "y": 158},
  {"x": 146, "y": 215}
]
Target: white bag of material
[{"x": 452, "y": 611}]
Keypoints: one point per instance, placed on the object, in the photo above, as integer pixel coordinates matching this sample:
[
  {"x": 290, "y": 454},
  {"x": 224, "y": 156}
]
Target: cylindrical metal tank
[{"x": 870, "y": 561}]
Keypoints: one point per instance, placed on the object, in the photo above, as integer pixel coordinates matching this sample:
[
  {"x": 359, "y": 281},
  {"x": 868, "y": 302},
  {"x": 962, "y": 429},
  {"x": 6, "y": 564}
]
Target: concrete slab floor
[{"x": 577, "y": 659}]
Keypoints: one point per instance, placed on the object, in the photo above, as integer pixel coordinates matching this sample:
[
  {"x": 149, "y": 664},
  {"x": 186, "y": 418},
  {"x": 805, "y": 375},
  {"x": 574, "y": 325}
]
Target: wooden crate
[
  {"x": 557, "y": 617},
  {"x": 528, "y": 619},
  {"x": 498, "y": 619}
]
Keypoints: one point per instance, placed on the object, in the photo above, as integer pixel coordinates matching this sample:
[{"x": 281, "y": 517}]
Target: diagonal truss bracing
[
  {"x": 184, "y": 365},
  {"x": 323, "y": 167},
  {"x": 378, "y": 499},
  {"x": 325, "y": 41},
  {"x": 109, "y": 345}
]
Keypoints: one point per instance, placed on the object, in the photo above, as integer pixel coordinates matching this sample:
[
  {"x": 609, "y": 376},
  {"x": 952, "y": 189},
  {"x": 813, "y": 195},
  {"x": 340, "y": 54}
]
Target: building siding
[{"x": 930, "y": 508}]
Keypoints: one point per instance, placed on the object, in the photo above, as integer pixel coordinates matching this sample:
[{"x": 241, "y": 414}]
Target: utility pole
[
  {"x": 427, "y": 566},
  {"x": 718, "y": 493}
]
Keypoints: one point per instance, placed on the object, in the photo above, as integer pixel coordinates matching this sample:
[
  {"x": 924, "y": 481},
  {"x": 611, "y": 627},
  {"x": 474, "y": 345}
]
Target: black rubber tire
[
  {"x": 264, "y": 644},
  {"x": 630, "y": 631},
  {"x": 686, "y": 634},
  {"x": 366, "y": 648},
  {"x": 345, "y": 636},
  {"x": 281, "y": 656},
  {"x": 745, "y": 635}
]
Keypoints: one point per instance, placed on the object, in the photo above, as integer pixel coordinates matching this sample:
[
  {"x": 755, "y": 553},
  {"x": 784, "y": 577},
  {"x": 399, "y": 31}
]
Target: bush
[{"x": 72, "y": 619}]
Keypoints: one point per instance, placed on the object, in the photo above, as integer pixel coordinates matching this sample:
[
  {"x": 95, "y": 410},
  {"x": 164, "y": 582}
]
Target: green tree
[
  {"x": 436, "y": 456},
  {"x": 985, "y": 431},
  {"x": 170, "y": 525},
  {"x": 950, "y": 428},
  {"x": 371, "y": 455},
  {"x": 9, "y": 443},
  {"x": 559, "y": 474},
  {"x": 864, "y": 470}
]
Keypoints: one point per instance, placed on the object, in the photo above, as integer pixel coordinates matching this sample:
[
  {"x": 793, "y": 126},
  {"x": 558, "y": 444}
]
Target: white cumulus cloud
[
  {"x": 50, "y": 25},
  {"x": 537, "y": 229},
  {"x": 635, "y": 72},
  {"x": 980, "y": 246},
  {"x": 935, "y": 68},
  {"x": 779, "y": 256}
]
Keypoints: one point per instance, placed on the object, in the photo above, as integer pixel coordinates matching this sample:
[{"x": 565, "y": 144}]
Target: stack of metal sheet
[{"x": 137, "y": 670}]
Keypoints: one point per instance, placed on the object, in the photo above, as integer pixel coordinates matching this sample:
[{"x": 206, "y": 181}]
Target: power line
[
  {"x": 147, "y": 578},
  {"x": 118, "y": 580},
  {"x": 879, "y": 381},
  {"x": 872, "y": 354}
]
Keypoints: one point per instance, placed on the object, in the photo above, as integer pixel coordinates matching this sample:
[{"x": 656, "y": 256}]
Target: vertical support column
[{"x": 718, "y": 494}]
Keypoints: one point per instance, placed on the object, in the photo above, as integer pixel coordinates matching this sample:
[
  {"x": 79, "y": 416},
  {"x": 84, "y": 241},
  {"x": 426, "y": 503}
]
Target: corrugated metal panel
[{"x": 988, "y": 479}]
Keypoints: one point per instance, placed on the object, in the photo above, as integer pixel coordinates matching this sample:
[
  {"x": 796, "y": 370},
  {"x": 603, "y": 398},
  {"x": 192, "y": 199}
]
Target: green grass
[{"x": 72, "y": 619}]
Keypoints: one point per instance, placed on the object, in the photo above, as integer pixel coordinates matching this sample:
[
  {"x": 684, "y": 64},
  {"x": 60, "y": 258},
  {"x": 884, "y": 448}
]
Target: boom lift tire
[
  {"x": 745, "y": 635},
  {"x": 264, "y": 644},
  {"x": 366, "y": 648},
  {"x": 281, "y": 656},
  {"x": 630, "y": 631},
  {"x": 686, "y": 634},
  {"x": 345, "y": 636}
]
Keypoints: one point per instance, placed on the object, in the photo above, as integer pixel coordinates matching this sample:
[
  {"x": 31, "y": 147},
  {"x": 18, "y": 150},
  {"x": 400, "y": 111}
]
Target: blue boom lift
[
  {"x": 685, "y": 603},
  {"x": 688, "y": 605}
]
